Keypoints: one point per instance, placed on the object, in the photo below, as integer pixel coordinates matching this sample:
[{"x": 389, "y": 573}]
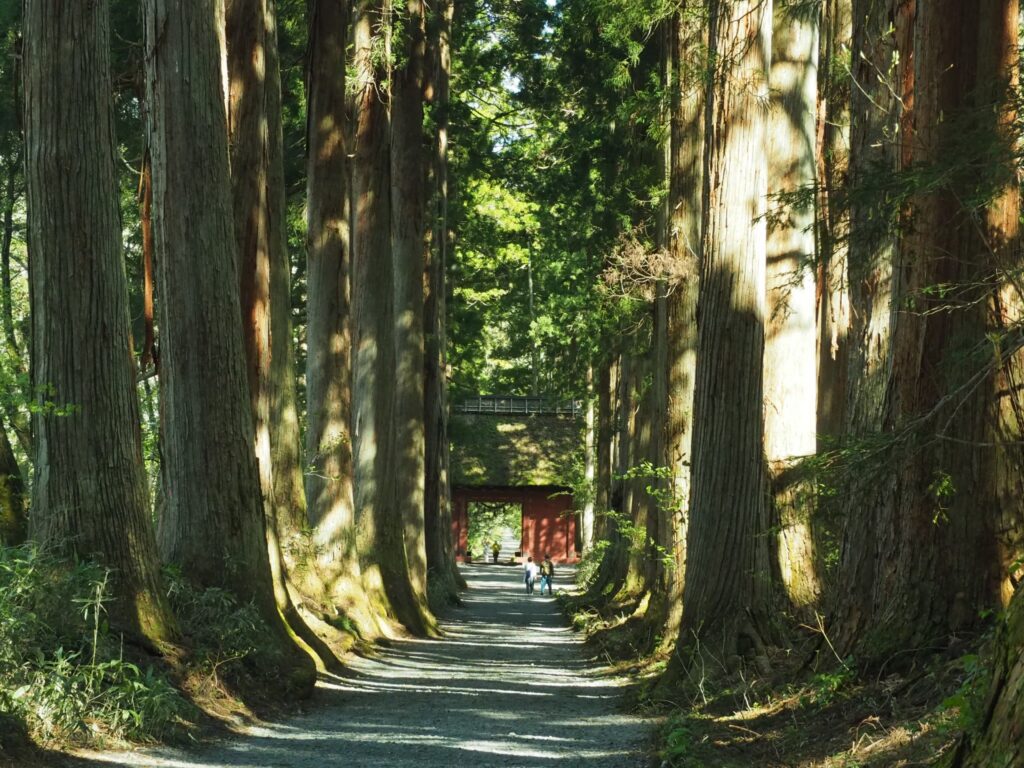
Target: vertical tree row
[
  {"x": 868, "y": 296},
  {"x": 214, "y": 524}
]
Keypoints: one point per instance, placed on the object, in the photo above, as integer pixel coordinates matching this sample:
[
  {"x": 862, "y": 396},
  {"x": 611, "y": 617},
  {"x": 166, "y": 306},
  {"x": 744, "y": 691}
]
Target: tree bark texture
[
  {"x": 605, "y": 440},
  {"x": 249, "y": 33},
  {"x": 6, "y": 243},
  {"x": 726, "y": 591},
  {"x": 589, "y": 464},
  {"x": 89, "y": 492},
  {"x": 214, "y": 527},
  {"x": 685, "y": 190},
  {"x": 329, "y": 482},
  {"x": 285, "y": 435},
  {"x": 954, "y": 476},
  {"x": 881, "y": 55},
  {"x": 379, "y": 519},
  {"x": 791, "y": 333},
  {"x": 437, "y": 506},
  {"x": 999, "y": 740},
  {"x": 611, "y": 573},
  {"x": 832, "y": 140},
  {"x": 408, "y": 249}
]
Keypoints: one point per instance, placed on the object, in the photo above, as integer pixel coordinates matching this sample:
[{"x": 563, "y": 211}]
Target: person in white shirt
[{"x": 530, "y": 571}]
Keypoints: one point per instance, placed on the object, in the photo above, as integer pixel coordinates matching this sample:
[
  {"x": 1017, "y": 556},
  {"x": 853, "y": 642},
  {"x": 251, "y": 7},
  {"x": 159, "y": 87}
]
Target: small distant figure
[
  {"x": 530, "y": 574},
  {"x": 547, "y": 574},
  {"x": 495, "y": 549}
]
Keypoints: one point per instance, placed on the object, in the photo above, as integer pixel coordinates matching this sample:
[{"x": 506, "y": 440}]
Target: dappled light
[{"x": 509, "y": 680}]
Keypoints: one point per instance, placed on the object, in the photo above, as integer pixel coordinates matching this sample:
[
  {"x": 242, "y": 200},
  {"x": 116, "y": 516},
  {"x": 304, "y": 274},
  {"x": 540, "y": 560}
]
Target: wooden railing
[{"x": 507, "y": 405}]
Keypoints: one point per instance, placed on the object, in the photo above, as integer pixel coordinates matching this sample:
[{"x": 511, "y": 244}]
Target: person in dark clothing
[{"x": 547, "y": 574}]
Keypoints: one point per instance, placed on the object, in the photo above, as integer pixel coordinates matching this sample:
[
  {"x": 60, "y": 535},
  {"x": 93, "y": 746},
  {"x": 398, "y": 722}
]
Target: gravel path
[{"x": 507, "y": 686}]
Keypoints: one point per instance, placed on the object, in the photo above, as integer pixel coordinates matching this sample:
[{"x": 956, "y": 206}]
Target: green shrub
[
  {"x": 228, "y": 638},
  {"x": 62, "y": 671}
]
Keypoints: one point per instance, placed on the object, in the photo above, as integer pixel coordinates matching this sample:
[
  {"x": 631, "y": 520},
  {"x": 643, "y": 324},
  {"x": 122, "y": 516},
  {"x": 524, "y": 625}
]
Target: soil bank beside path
[{"x": 507, "y": 685}]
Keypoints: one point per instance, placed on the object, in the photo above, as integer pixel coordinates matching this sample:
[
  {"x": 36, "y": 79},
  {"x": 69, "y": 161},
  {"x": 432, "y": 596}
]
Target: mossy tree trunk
[
  {"x": 214, "y": 527},
  {"x": 89, "y": 493},
  {"x": 329, "y": 482},
  {"x": 379, "y": 518},
  {"x": 250, "y": 38},
  {"x": 408, "y": 249}
]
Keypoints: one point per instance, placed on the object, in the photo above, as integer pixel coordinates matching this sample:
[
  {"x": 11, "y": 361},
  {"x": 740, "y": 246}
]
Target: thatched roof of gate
[{"x": 514, "y": 451}]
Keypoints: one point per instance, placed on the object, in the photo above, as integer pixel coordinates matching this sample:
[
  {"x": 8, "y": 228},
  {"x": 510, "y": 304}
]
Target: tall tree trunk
[
  {"x": 640, "y": 507},
  {"x": 214, "y": 527},
  {"x": 589, "y": 465},
  {"x": 790, "y": 355},
  {"x": 89, "y": 493},
  {"x": 285, "y": 435},
  {"x": 6, "y": 284},
  {"x": 939, "y": 561},
  {"x": 437, "y": 508},
  {"x": 833, "y": 157},
  {"x": 248, "y": 53},
  {"x": 408, "y": 244},
  {"x": 605, "y": 444},
  {"x": 13, "y": 521},
  {"x": 19, "y": 424},
  {"x": 999, "y": 739},
  {"x": 612, "y": 570},
  {"x": 726, "y": 592},
  {"x": 880, "y": 45},
  {"x": 329, "y": 483},
  {"x": 685, "y": 189},
  {"x": 379, "y": 519}
]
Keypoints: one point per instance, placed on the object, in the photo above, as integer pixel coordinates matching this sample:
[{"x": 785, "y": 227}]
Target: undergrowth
[
  {"x": 65, "y": 677},
  {"x": 814, "y": 710}
]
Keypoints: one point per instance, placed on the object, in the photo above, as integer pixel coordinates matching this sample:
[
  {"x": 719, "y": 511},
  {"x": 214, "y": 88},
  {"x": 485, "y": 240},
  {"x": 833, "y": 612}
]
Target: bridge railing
[{"x": 499, "y": 405}]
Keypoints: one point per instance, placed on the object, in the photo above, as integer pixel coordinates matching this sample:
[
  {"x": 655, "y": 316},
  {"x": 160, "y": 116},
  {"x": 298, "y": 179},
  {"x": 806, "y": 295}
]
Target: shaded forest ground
[
  {"x": 813, "y": 710},
  {"x": 509, "y": 684}
]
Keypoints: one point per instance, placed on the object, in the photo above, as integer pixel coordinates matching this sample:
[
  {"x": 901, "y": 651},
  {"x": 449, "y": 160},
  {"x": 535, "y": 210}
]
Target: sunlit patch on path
[{"x": 507, "y": 686}]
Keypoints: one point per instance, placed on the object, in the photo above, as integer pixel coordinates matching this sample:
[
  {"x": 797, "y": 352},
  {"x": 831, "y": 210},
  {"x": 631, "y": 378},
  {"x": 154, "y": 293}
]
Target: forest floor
[
  {"x": 507, "y": 685},
  {"x": 811, "y": 711}
]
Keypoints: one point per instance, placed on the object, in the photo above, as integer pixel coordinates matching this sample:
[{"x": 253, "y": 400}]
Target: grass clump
[
  {"x": 231, "y": 655},
  {"x": 64, "y": 675}
]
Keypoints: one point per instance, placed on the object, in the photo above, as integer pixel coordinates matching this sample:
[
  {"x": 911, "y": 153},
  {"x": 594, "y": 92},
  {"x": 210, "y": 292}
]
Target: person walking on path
[
  {"x": 530, "y": 574},
  {"x": 547, "y": 574},
  {"x": 495, "y": 549}
]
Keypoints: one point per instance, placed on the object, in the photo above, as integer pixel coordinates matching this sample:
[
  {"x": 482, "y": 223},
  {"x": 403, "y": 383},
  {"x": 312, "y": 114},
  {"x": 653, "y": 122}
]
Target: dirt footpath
[{"x": 507, "y": 686}]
